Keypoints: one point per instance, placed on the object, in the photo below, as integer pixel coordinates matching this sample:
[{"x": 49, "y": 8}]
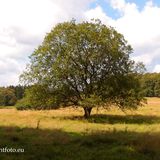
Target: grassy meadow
[{"x": 64, "y": 134}]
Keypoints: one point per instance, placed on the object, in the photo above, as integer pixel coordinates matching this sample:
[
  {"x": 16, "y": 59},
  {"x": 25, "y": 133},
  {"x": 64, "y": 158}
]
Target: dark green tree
[
  {"x": 7, "y": 97},
  {"x": 151, "y": 84},
  {"x": 19, "y": 91},
  {"x": 86, "y": 64}
]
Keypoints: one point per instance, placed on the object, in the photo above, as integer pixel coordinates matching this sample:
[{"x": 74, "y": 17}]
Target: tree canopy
[
  {"x": 86, "y": 64},
  {"x": 151, "y": 84},
  {"x": 7, "y": 97}
]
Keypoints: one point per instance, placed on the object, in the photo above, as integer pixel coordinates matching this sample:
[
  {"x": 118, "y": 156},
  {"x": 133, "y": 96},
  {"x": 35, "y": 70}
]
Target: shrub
[{"x": 23, "y": 104}]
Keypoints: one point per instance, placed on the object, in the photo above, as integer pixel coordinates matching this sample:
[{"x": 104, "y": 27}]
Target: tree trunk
[{"x": 87, "y": 111}]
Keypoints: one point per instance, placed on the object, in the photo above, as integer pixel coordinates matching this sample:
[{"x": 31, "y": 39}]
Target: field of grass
[{"x": 64, "y": 134}]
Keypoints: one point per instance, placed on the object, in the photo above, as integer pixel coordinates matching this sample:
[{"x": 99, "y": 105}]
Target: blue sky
[
  {"x": 24, "y": 24},
  {"x": 105, "y": 4}
]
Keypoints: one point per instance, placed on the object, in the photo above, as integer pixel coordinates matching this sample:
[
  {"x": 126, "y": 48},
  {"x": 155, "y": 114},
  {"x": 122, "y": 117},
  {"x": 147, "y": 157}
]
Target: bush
[{"x": 23, "y": 104}]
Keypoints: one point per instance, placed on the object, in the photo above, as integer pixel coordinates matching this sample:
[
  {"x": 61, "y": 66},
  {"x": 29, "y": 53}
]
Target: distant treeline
[
  {"x": 11, "y": 94},
  {"x": 151, "y": 84}
]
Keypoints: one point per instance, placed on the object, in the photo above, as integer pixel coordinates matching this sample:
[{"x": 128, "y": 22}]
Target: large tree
[{"x": 86, "y": 64}]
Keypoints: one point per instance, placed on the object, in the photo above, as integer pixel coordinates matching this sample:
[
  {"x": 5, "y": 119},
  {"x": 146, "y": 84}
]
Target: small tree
[{"x": 85, "y": 64}]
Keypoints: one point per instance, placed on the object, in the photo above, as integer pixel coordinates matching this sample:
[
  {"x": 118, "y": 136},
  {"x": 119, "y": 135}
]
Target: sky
[{"x": 24, "y": 23}]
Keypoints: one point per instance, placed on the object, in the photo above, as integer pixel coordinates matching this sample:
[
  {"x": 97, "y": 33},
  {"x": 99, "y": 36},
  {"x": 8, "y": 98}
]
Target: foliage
[
  {"x": 151, "y": 84},
  {"x": 7, "y": 97},
  {"x": 78, "y": 61},
  {"x": 23, "y": 104},
  {"x": 19, "y": 91},
  {"x": 40, "y": 97},
  {"x": 92, "y": 101}
]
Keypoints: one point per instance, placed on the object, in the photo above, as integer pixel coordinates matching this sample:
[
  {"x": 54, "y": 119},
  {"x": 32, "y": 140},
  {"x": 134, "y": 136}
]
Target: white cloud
[
  {"x": 123, "y": 7},
  {"x": 98, "y": 13},
  {"x": 13, "y": 67},
  {"x": 23, "y": 25},
  {"x": 140, "y": 27},
  {"x": 157, "y": 68}
]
